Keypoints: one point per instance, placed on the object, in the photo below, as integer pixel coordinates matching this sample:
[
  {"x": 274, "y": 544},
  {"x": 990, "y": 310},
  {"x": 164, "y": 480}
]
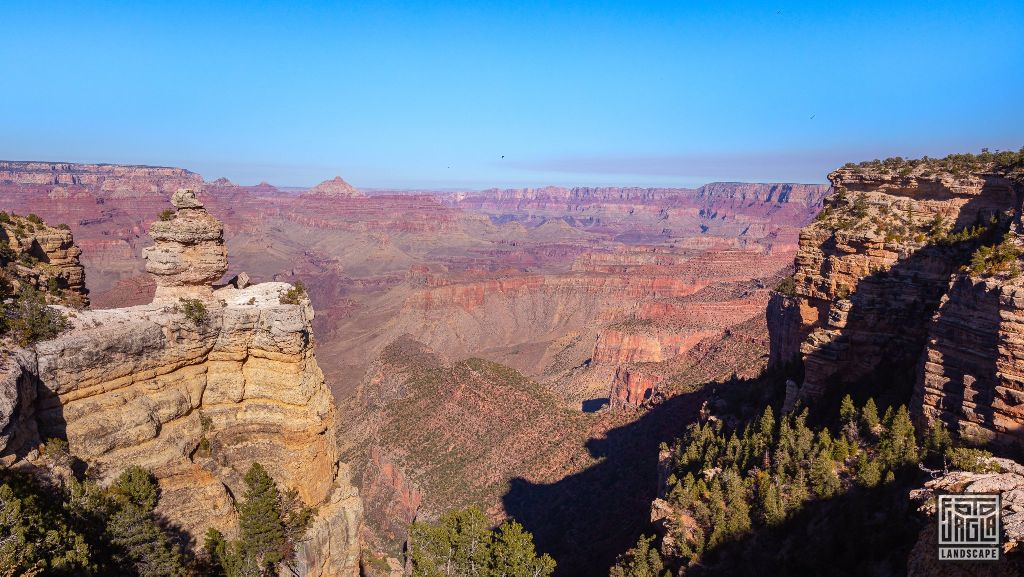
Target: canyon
[
  {"x": 455, "y": 329},
  {"x": 548, "y": 318}
]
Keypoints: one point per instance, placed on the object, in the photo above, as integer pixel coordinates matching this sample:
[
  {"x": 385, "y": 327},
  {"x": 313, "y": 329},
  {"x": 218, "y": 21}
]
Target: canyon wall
[
  {"x": 892, "y": 292},
  {"x": 194, "y": 396}
]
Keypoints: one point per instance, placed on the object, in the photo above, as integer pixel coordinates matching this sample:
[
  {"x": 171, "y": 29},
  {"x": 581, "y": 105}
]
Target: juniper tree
[{"x": 640, "y": 561}]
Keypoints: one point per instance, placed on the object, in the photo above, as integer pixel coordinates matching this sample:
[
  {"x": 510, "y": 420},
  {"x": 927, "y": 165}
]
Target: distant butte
[{"x": 334, "y": 187}]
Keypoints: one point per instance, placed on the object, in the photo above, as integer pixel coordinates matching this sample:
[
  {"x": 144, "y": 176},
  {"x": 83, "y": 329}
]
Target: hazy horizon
[{"x": 458, "y": 96}]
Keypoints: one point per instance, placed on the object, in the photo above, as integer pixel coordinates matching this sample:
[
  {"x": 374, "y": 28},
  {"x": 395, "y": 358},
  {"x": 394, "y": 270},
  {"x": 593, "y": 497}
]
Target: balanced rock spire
[{"x": 188, "y": 254}]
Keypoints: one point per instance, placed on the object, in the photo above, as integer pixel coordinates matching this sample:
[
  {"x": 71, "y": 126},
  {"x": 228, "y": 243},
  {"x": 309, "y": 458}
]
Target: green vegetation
[
  {"x": 462, "y": 543},
  {"x": 293, "y": 295},
  {"x": 79, "y": 528},
  {"x": 272, "y": 524},
  {"x": 973, "y": 460},
  {"x": 166, "y": 214},
  {"x": 956, "y": 164},
  {"x": 34, "y": 219},
  {"x": 194, "y": 310},
  {"x": 28, "y": 319},
  {"x": 643, "y": 560},
  {"x": 999, "y": 259},
  {"x": 734, "y": 481},
  {"x": 787, "y": 287}
]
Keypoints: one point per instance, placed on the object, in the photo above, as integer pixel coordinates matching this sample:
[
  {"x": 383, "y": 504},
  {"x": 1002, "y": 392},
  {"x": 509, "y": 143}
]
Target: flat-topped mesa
[{"x": 188, "y": 254}]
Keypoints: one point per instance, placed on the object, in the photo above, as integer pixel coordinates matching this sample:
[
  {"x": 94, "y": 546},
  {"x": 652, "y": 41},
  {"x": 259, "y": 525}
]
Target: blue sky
[{"x": 433, "y": 94}]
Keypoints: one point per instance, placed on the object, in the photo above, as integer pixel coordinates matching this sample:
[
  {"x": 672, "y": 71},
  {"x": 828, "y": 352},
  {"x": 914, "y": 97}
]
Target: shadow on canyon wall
[{"x": 585, "y": 520}]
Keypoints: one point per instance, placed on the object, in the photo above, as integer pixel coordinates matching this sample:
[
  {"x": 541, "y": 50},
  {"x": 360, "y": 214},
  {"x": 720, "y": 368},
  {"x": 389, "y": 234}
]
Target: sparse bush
[
  {"x": 787, "y": 286},
  {"x": 996, "y": 259},
  {"x": 34, "y": 218},
  {"x": 972, "y": 460},
  {"x": 63, "y": 226},
  {"x": 30, "y": 320},
  {"x": 293, "y": 295},
  {"x": 166, "y": 215},
  {"x": 4, "y": 217},
  {"x": 194, "y": 310}
]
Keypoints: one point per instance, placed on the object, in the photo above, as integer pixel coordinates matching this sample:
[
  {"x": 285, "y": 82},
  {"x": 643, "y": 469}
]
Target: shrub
[
  {"x": 166, "y": 215},
  {"x": 63, "y": 226},
  {"x": 34, "y": 218},
  {"x": 4, "y": 217},
  {"x": 30, "y": 320},
  {"x": 972, "y": 460},
  {"x": 643, "y": 560},
  {"x": 293, "y": 295},
  {"x": 787, "y": 286},
  {"x": 195, "y": 311},
  {"x": 996, "y": 259}
]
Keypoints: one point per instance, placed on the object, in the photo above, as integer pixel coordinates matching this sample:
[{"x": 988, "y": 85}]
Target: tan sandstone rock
[{"x": 196, "y": 401}]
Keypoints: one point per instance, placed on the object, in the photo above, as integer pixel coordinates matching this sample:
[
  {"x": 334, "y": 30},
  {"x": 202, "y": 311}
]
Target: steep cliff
[
  {"x": 195, "y": 391},
  {"x": 909, "y": 280},
  {"x": 43, "y": 257}
]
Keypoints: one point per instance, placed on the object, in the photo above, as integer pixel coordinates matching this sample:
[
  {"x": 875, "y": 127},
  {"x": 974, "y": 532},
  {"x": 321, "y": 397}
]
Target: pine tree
[
  {"x": 640, "y": 561},
  {"x": 847, "y": 411},
  {"x": 869, "y": 418},
  {"x": 937, "y": 440},
  {"x": 869, "y": 471},
  {"x": 513, "y": 554},
  {"x": 823, "y": 478},
  {"x": 897, "y": 445},
  {"x": 133, "y": 531},
  {"x": 770, "y": 508},
  {"x": 259, "y": 516}
]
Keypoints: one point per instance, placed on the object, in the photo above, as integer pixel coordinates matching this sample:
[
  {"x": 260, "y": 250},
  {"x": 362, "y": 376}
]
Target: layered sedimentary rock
[
  {"x": 871, "y": 270},
  {"x": 891, "y": 289},
  {"x": 196, "y": 398},
  {"x": 65, "y": 177},
  {"x": 188, "y": 253},
  {"x": 972, "y": 370},
  {"x": 45, "y": 257}
]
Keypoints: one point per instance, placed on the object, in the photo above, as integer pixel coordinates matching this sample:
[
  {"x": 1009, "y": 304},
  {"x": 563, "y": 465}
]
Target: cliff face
[
  {"x": 194, "y": 399},
  {"x": 43, "y": 256},
  {"x": 884, "y": 295},
  {"x": 64, "y": 177}
]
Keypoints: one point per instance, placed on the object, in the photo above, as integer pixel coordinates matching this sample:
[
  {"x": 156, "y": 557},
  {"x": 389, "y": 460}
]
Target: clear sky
[{"x": 433, "y": 94}]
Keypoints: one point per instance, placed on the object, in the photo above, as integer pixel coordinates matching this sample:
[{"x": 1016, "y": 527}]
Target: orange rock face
[{"x": 882, "y": 298}]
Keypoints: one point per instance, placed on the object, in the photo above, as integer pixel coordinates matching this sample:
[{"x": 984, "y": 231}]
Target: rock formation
[
  {"x": 45, "y": 257},
  {"x": 188, "y": 253},
  {"x": 891, "y": 289},
  {"x": 195, "y": 396},
  {"x": 1009, "y": 482},
  {"x": 334, "y": 188}
]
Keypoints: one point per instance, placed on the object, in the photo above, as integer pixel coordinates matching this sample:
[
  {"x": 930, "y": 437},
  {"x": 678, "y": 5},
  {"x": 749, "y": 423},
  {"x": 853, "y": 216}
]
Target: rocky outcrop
[
  {"x": 889, "y": 291},
  {"x": 188, "y": 253},
  {"x": 43, "y": 256},
  {"x": 871, "y": 270},
  {"x": 1009, "y": 482},
  {"x": 196, "y": 398},
  {"x": 972, "y": 370}
]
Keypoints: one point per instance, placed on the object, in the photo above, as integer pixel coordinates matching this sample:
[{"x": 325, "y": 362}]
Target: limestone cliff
[
  {"x": 196, "y": 397},
  {"x": 910, "y": 275},
  {"x": 43, "y": 257}
]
